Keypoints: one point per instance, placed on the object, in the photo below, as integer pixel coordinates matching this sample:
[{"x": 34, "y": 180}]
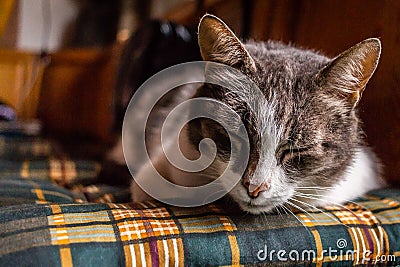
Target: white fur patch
[{"x": 360, "y": 177}]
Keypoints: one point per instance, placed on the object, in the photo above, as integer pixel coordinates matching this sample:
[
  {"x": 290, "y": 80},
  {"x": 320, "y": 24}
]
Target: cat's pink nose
[{"x": 255, "y": 190}]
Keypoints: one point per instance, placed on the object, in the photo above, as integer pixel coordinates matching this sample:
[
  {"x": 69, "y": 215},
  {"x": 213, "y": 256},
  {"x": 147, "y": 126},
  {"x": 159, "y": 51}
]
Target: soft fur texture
[{"x": 306, "y": 143}]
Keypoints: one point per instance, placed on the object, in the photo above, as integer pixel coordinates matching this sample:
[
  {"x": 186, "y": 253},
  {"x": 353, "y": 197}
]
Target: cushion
[{"x": 52, "y": 212}]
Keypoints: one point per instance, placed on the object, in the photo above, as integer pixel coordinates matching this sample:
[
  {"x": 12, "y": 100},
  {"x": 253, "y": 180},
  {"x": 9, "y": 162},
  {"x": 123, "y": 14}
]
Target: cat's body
[{"x": 306, "y": 144}]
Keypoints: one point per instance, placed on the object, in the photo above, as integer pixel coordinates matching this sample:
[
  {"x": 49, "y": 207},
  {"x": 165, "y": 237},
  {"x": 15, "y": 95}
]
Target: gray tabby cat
[{"x": 316, "y": 154}]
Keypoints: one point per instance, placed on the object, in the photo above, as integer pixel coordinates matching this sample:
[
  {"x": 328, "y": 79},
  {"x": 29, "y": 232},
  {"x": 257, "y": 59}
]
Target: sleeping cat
[{"x": 315, "y": 155}]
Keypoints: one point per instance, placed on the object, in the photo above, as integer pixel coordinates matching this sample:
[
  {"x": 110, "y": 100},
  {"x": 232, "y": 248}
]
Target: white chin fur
[
  {"x": 257, "y": 209},
  {"x": 360, "y": 177}
]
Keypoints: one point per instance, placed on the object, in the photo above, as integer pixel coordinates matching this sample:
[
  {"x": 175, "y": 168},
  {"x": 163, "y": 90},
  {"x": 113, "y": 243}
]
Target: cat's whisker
[
  {"x": 265, "y": 216},
  {"x": 278, "y": 211},
  {"x": 283, "y": 208},
  {"x": 300, "y": 208},
  {"x": 293, "y": 214},
  {"x": 316, "y": 187},
  {"x": 311, "y": 189},
  {"x": 320, "y": 210},
  {"x": 281, "y": 211},
  {"x": 318, "y": 196},
  {"x": 330, "y": 201}
]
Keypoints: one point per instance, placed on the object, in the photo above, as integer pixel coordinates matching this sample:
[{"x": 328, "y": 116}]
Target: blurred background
[{"x": 61, "y": 60}]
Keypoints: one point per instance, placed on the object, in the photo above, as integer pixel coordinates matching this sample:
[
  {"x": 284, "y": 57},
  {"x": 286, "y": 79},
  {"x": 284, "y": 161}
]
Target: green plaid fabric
[
  {"x": 17, "y": 148},
  {"x": 153, "y": 234},
  {"x": 44, "y": 224},
  {"x": 66, "y": 172}
]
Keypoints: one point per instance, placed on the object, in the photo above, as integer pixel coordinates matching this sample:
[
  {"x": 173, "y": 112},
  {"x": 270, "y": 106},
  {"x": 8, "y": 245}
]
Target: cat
[{"x": 315, "y": 156}]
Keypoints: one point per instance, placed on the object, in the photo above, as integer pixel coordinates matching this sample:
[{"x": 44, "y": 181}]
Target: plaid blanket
[{"x": 45, "y": 224}]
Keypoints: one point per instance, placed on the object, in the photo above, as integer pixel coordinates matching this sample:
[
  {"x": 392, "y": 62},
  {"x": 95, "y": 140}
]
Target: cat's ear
[
  {"x": 348, "y": 74},
  {"x": 219, "y": 44}
]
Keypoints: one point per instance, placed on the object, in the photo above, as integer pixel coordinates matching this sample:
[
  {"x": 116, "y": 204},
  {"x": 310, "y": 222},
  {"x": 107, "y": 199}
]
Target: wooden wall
[{"x": 77, "y": 93}]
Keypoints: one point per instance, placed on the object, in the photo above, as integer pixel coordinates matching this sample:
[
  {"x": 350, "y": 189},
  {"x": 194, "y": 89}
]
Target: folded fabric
[
  {"x": 66, "y": 172},
  {"x": 17, "y": 147},
  {"x": 23, "y": 191}
]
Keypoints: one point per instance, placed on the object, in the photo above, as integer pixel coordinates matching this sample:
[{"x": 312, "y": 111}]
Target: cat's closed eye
[{"x": 289, "y": 155}]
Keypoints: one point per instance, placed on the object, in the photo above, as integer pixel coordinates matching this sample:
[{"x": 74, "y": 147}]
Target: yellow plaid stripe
[
  {"x": 81, "y": 234},
  {"x": 25, "y": 169},
  {"x": 207, "y": 224},
  {"x": 106, "y": 198},
  {"x": 62, "y": 171},
  {"x": 55, "y": 170},
  {"x": 308, "y": 221},
  {"x": 70, "y": 227},
  {"x": 234, "y": 249},
  {"x": 390, "y": 202},
  {"x": 82, "y": 218},
  {"x": 39, "y": 194},
  {"x": 60, "y": 236}
]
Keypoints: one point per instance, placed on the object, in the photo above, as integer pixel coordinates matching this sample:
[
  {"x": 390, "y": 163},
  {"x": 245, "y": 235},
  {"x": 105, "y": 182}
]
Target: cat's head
[{"x": 306, "y": 130}]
